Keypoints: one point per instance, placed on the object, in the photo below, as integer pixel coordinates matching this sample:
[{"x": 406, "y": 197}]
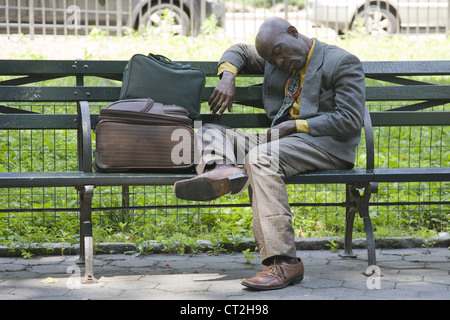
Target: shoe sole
[
  {"x": 238, "y": 182},
  {"x": 259, "y": 288},
  {"x": 206, "y": 189}
]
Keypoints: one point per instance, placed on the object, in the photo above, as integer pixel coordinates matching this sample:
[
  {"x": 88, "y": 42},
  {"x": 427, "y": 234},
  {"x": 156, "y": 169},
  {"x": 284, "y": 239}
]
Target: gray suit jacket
[{"x": 332, "y": 99}]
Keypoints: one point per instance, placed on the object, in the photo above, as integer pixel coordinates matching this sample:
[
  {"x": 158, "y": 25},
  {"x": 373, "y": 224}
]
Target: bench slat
[
  {"x": 62, "y": 67},
  {"x": 243, "y": 94},
  {"x": 97, "y": 94},
  {"x": 116, "y": 67},
  {"x": 410, "y": 118},
  {"x": 375, "y": 175},
  {"x": 406, "y": 68},
  {"x": 24, "y": 121},
  {"x": 58, "y": 94},
  {"x": 412, "y": 174},
  {"x": 61, "y": 179},
  {"x": 78, "y": 178},
  {"x": 101, "y": 68},
  {"x": 399, "y": 93}
]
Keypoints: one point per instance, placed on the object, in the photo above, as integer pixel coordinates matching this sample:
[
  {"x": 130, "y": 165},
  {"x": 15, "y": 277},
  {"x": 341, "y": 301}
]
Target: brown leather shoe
[
  {"x": 276, "y": 276},
  {"x": 212, "y": 184}
]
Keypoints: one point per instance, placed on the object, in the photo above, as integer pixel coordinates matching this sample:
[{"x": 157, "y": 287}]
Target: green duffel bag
[{"x": 165, "y": 81}]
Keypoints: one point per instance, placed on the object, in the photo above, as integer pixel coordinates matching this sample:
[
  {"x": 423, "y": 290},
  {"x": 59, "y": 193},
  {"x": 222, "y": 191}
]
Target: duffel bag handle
[{"x": 166, "y": 61}]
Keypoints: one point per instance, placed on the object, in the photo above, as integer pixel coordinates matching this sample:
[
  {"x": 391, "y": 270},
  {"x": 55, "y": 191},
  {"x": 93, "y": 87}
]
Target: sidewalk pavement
[{"x": 418, "y": 273}]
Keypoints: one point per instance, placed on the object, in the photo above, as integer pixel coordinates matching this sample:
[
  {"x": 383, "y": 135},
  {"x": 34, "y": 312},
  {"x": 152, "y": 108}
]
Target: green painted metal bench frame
[{"x": 360, "y": 184}]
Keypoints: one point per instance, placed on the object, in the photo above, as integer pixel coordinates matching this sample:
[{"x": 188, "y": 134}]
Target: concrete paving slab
[{"x": 418, "y": 274}]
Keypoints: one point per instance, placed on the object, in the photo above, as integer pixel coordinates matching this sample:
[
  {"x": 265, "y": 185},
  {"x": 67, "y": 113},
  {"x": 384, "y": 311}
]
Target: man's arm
[
  {"x": 240, "y": 57},
  {"x": 244, "y": 57},
  {"x": 223, "y": 95},
  {"x": 347, "y": 118}
]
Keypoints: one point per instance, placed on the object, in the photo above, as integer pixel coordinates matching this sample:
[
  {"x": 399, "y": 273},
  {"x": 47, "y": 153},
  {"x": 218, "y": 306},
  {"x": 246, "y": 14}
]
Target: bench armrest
[
  {"x": 368, "y": 132},
  {"x": 84, "y": 137}
]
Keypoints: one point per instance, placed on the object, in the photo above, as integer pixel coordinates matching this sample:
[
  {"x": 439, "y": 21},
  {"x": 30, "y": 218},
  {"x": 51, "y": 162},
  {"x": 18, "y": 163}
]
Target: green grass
[{"x": 50, "y": 150}]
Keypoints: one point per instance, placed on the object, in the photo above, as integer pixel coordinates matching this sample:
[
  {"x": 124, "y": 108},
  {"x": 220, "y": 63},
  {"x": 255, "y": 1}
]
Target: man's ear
[{"x": 292, "y": 31}]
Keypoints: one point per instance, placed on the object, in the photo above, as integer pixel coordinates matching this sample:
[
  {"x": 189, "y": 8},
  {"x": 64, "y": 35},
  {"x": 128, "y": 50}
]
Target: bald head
[
  {"x": 282, "y": 45},
  {"x": 270, "y": 28}
]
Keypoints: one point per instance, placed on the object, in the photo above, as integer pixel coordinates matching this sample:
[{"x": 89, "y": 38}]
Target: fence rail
[{"x": 239, "y": 19}]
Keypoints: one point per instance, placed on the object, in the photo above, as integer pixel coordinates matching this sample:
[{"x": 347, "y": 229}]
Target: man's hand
[
  {"x": 282, "y": 129},
  {"x": 223, "y": 94}
]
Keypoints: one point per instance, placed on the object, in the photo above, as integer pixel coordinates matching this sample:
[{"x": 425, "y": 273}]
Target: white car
[{"x": 379, "y": 16}]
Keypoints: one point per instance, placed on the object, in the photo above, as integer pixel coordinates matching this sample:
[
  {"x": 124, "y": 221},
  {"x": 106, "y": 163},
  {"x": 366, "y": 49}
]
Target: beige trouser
[{"x": 267, "y": 165}]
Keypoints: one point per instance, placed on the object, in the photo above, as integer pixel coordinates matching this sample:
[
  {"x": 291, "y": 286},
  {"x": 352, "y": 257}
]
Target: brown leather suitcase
[{"x": 143, "y": 135}]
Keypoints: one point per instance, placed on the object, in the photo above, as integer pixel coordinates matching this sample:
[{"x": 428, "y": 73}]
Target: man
[{"x": 315, "y": 94}]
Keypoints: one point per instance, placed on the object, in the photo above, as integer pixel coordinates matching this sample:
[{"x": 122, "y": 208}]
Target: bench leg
[
  {"x": 86, "y": 237},
  {"x": 360, "y": 205},
  {"x": 349, "y": 221},
  {"x": 370, "y": 238}
]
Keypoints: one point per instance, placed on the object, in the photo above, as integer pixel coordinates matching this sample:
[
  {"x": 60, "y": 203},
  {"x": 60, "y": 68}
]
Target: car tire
[
  {"x": 155, "y": 18},
  {"x": 376, "y": 21}
]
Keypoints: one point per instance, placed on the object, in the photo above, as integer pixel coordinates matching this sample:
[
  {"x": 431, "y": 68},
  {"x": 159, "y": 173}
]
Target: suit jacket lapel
[{"x": 309, "y": 103}]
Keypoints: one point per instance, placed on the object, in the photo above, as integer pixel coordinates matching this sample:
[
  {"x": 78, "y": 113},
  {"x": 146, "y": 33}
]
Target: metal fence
[{"x": 240, "y": 19}]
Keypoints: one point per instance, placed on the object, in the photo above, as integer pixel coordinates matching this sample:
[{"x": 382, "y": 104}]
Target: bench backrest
[
  {"x": 386, "y": 81},
  {"x": 26, "y": 72}
]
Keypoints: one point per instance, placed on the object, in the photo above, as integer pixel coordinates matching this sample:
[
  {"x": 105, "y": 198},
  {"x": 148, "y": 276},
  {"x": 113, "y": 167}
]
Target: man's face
[{"x": 283, "y": 50}]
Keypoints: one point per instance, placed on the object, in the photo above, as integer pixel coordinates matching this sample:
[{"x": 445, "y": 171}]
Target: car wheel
[
  {"x": 166, "y": 18},
  {"x": 376, "y": 21}
]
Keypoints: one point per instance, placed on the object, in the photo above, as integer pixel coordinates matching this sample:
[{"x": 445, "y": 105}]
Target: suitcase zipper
[
  {"x": 153, "y": 121},
  {"x": 176, "y": 115}
]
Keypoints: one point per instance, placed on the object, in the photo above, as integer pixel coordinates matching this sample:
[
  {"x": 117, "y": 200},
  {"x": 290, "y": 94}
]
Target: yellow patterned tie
[{"x": 293, "y": 91}]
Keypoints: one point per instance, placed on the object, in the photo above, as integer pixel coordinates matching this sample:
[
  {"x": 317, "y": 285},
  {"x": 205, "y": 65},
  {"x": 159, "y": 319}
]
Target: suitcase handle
[{"x": 150, "y": 104}]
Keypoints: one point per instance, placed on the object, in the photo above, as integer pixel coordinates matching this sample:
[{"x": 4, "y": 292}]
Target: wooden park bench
[{"x": 21, "y": 86}]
